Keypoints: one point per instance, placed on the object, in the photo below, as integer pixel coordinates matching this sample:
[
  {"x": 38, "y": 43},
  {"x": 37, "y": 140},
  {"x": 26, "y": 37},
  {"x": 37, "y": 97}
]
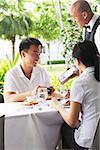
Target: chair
[
  {"x": 1, "y": 98},
  {"x": 96, "y": 145},
  {"x": 2, "y": 118}
]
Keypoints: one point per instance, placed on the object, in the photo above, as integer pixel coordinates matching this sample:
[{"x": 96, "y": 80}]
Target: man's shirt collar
[{"x": 92, "y": 21}]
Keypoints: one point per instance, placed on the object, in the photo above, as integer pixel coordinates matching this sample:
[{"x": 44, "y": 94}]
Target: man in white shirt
[
  {"x": 22, "y": 80},
  {"x": 83, "y": 15}
]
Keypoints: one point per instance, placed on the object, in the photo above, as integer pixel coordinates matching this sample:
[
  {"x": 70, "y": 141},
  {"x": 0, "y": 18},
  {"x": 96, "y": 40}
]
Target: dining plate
[{"x": 31, "y": 103}]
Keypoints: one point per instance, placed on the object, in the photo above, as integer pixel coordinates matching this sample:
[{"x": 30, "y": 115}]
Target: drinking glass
[{"x": 42, "y": 93}]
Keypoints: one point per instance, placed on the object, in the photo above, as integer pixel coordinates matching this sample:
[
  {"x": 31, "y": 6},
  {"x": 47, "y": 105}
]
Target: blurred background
[{"x": 47, "y": 20}]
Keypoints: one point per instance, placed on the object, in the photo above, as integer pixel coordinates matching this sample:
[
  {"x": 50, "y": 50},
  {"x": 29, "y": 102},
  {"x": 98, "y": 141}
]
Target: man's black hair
[{"x": 26, "y": 43}]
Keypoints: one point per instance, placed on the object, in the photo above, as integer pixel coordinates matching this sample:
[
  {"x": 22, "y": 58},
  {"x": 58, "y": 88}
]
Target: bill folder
[{"x": 64, "y": 77}]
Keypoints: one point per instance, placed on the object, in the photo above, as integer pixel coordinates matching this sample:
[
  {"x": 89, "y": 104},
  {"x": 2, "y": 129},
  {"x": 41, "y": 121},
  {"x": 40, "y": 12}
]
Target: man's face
[
  {"x": 79, "y": 17},
  {"x": 31, "y": 57}
]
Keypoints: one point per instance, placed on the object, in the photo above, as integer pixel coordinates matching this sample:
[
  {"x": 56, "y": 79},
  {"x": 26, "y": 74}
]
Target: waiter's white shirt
[
  {"x": 86, "y": 91},
  {"x": 97, "y": 33},
  {"x": 16, "y": 81}
]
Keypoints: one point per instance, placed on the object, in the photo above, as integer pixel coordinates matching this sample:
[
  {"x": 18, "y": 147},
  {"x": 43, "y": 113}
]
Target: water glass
[{"x": 42, "y": 93}]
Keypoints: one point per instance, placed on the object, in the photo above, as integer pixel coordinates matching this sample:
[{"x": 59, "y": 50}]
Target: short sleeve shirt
[
  {"x": 97, "y": 34},
  {"x": 86, "y": 91},
  {"x": 16, "y": 81}
]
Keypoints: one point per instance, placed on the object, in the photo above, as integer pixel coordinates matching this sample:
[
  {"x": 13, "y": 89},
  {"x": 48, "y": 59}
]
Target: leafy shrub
[
  {"x": 57, "y": 85},
  {"x": 56, "y": 62},
  {"x": 3, "y": 69},
  {"x": 71, "y": 34},
  {"x": 5, "y": 65},
  {"x": 55, "y": 82}
]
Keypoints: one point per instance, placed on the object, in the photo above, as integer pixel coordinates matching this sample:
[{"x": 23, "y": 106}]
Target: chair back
[
  {"x": 1, "y": 98},
  {"x": 96, "y": 144},
  {"x": 2, "y": 118}
]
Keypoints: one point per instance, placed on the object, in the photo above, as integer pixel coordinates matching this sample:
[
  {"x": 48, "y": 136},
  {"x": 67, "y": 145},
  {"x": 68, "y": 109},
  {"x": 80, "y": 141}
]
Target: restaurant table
[{"x": 31, "y": 127}]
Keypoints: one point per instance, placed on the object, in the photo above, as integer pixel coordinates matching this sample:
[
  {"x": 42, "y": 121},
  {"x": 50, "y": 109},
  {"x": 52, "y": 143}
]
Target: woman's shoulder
[{"x": 79, "y": 79}]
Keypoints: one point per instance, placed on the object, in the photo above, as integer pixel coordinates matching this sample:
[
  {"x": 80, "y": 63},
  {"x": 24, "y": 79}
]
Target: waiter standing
[{"x": 84, "y": 16}]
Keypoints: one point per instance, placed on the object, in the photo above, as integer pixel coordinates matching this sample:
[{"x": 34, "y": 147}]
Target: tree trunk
[
  {"x": 48, "y": 44},
  {"x": 13, "y": 47},
  {"x": 60, "y": 15},
  {"x": 58, "y": 12}
]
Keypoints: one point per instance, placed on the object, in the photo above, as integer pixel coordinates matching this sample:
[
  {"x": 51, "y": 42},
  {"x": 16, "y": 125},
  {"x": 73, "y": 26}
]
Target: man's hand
[
  {"x": 50, "y": 90},
  {"x": 35, "y": 90}
]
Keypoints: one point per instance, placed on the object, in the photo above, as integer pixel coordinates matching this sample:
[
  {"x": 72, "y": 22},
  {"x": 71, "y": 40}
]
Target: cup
[
  {"x": 42, "y": 93},
  {"x": 29, "y": 99},
  {"x": 32, "y": 98}
]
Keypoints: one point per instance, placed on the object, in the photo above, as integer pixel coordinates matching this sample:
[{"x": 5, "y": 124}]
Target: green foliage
[
  {"x": 55, "y": 82},
  {"x": 14, "y": 20},
  {"x": 56, "y": 62},
  {"x": 5, "y": 65},
  {"x": 96, "y": 6},
  {"x": 45, "y": 22},
  {"x": 57, "y": 85},
  {"x": 55, "y": 71},
  {"x": 3, "y": 69},
  {"x": 69, "y": 82},
  {"x": 70, "y": 35},
  {"x": 9, "y": 62}
]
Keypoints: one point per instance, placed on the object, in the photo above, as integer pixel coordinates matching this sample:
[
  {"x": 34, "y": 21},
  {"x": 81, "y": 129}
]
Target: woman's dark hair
[
  {"x": 26, "y": 43},
  {"x": 88, "y": 54}
]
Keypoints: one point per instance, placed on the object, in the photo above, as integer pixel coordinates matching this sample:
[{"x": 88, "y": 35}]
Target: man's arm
[
  {"x": 20, "y": 97},
  {"x": 10, "y": 90}
]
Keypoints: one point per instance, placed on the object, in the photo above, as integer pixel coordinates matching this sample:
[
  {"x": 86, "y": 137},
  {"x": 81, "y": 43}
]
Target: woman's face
[
  {"x": 76, "y": 62},
  {"x": 78, "y": 65}
]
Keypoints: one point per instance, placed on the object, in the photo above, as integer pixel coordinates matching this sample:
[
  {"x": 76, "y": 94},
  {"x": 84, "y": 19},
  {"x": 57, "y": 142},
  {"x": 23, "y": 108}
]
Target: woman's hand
[
  {"x": 55, "y": 104},
  {"x": 67, "y": 95}
]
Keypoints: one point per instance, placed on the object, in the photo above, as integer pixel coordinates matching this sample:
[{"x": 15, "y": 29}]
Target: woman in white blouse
[{"x": 84, "y": 99}]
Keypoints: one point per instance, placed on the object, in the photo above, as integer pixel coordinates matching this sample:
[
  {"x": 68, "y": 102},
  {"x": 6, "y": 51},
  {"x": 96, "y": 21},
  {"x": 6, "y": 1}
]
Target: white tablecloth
[{"x": 28, "y": 128}]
